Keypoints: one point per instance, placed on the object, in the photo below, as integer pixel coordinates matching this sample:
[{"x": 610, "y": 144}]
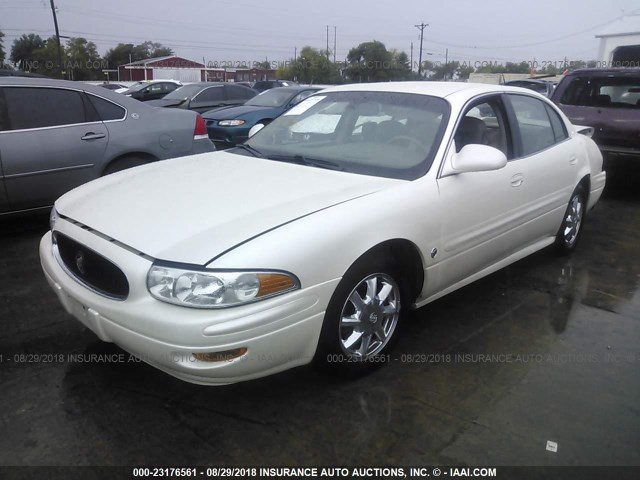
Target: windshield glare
[
  {"x": 393, "y": 135},
  {"x": 271, "y": 98}
]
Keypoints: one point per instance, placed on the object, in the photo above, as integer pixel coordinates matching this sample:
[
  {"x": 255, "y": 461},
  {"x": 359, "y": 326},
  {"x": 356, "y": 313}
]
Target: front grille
[{"x": 91, "y": 268}]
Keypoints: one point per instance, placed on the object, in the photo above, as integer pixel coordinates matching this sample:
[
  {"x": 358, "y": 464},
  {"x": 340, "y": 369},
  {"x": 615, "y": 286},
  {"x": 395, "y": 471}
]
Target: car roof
[
  {"x": 605, "y": 71},
  {"x": 95, "y": 89},
  {"x": 436, "y": 89}
]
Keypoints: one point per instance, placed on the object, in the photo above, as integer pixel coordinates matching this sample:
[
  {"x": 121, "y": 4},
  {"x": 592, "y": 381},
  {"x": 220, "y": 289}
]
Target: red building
[{"x": 162, "y": 68}]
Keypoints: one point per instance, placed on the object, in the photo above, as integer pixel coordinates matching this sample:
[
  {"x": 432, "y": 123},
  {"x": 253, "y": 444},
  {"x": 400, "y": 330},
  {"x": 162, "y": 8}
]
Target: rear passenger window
[
  {"x": 29, "y": 107},
  {"x": 536, "y": 132},
  {"x": 107, "y": 110},
  {"x": 559, "y": 128}
]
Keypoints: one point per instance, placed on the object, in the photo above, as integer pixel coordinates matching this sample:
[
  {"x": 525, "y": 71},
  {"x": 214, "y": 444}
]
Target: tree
[
  {"x": 83, "y": 60},
  {"x": 2, "y": 53},
  {"x": 127, "y": 52},
  {"x": 369, "y": 62},
  {"x": 45, "y": 59},
  {"x": 311, "y": 66},
  {"x": 23, "y": 48}
]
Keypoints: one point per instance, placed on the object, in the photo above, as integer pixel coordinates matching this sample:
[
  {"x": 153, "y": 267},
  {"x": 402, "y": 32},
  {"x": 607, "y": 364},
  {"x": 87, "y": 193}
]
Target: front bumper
[
  {"x": 278, "y": 333},
  {"x": 598, "y": 182},
  {"x": 227, "y": 137}
]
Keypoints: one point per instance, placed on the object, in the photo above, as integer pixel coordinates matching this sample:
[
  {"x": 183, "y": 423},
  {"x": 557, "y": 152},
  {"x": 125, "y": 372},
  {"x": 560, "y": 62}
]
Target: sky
[{"x": 247, "y": 31}]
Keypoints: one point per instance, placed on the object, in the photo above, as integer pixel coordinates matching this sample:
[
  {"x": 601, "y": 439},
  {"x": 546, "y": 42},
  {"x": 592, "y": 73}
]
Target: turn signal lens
[
  {"x": 224, "y": 356},
  {"x": 271, "y": 283}
]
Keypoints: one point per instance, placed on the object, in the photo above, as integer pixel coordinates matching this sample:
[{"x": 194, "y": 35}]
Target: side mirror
[
  {"x": 255, "y": 129},
  {"x": 476, "y": 158}
]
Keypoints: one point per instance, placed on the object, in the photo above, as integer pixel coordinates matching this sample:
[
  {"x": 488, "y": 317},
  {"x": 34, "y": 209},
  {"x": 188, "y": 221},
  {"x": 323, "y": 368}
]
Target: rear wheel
[
  {"x": 569, "y": 233},
  {"x": 360, "y": 325}
]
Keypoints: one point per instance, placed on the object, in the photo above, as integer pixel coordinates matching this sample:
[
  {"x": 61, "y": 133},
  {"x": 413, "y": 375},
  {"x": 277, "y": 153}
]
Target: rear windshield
[{"x": 612, "y": 92}]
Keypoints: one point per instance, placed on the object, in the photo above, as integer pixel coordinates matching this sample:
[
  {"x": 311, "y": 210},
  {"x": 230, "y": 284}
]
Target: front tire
[
  {"x": 360, "y": 324},
  {"x": 123, "y": 164},
  {"x": 569, "y": 233}
]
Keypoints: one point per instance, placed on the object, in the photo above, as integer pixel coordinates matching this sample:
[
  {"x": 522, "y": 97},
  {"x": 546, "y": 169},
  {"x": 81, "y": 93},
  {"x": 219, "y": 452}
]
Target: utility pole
[
  {"x": 55, "y": 23},
  {"x": 327, "y": 42},
  {"x": 335, "y": 42},
  {"x": 411, "y": 56},
  {"x": 421, "y": 27}
]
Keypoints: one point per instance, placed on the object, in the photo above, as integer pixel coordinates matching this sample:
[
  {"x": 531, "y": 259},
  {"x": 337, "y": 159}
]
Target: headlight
[
  {"x": 231, "y": 123},
  {"x": 53, "y": 217},
  {"x": 213, "y": 289}
]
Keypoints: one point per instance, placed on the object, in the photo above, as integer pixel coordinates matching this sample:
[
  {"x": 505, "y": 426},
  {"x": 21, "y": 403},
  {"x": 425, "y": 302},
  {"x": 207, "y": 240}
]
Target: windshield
[
  {"x": 276, "y": 97},
  {"x": 610, "y": 91},
  {"x": 186, "y": 91},
  {"x": 393, "y": 135}
]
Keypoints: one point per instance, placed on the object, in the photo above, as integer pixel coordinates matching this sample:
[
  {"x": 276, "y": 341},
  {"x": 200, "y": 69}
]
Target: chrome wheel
[
  {"x": 573, "y": 220},
  {"x": 369, "y": 316}
]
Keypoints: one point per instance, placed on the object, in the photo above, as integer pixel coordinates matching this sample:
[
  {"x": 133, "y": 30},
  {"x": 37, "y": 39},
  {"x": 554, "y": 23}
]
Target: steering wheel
[{"x": 407, "y": 141}]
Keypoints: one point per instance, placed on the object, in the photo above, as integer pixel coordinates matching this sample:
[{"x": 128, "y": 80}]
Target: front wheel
[
  {"x": 569, "y": 233},
  {"x": 361, "y": 321}
]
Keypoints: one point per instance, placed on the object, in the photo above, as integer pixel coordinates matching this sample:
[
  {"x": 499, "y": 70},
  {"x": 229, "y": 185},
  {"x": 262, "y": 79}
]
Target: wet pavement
[{"x": 545, "y": 350}]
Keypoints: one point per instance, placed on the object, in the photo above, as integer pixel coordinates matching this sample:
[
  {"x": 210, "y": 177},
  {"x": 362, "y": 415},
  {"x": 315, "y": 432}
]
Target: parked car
[
  {"x": 263, "y": 85},
  {"x": 152, "y": 90},
  {"x": 113, "y": 86},
  {"x": 607, "y": 100},
  {"x": 307, "y": 242},
  {"x": 56, "y": 135},
  {"x": 204, "y": 96},
  {"x": 230, "y": 126},
  {"x": 543, "y": 87}
]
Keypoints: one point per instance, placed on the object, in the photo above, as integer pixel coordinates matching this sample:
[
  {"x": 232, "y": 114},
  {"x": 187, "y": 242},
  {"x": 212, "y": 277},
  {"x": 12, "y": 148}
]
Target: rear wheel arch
[{"x": 128, "y": 160}]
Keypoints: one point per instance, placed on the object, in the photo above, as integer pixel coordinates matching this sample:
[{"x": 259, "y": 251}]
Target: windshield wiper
[
  {"x": 253, "y": 151},
  {"x": 302, "y": 160}
]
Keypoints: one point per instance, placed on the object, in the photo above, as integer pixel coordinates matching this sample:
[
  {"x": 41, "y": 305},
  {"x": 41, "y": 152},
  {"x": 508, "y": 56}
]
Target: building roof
[
  {"x": 148, "y": 61},
  {"x": 626, "y": 25}
]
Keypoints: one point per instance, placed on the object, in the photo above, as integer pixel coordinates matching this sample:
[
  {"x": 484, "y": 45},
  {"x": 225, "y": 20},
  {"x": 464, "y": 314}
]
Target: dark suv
[{"x": 607, "y": 100}]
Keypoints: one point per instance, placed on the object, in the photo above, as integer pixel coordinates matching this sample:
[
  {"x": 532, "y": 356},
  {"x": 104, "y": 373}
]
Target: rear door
[
  {"x": 51, "y": 143},
  {"x": 548, "y": 163},
  {"x": 4, "y": 122}
]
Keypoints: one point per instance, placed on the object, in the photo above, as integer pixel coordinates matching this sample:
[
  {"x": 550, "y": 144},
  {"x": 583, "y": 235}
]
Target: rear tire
[
  {"x": 124, "y": 163},
  {"x": 360, "y": 325},
  {"x": 571, "y": 227}
]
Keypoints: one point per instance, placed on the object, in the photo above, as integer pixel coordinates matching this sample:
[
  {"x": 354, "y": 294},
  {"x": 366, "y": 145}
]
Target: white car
[{"x": 311, "y": 239}]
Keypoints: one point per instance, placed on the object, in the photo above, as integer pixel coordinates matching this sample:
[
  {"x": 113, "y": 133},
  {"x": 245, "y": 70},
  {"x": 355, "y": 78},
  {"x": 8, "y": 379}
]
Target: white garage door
[{"x": 182, "y": 74}]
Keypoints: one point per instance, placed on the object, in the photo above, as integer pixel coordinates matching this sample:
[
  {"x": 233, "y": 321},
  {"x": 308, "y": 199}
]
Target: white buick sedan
[{"x": 311, "y": 240}]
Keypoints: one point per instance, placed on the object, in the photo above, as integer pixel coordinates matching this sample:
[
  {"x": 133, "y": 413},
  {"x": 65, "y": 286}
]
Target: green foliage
[
  {"x": 312, "y": 66},
  {"x": 83, "y": 60},
  {"x": 372, "y": 62},
  {"x": 2, "y": 52},
  {"x": 128, "y": 52},
  {"x": 23, "y": 48}
]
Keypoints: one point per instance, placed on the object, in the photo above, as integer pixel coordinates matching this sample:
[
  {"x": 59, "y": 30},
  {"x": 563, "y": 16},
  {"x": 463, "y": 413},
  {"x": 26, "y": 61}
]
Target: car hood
[
  {"x": 164, "y": 102},
  {"x": 192, "y": 209},
  {"x": 228, "y": 113}
]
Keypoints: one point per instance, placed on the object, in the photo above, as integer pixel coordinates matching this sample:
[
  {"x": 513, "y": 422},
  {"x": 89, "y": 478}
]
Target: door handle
[
  {"x": 573, "y": 160},
  {"x": 517, "y": 180},
  {"x": 92, "y": 136}
]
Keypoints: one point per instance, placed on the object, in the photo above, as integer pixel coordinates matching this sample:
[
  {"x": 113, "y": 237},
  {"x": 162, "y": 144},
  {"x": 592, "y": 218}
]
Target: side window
[
  {"x": 107, "y": 110},
  {"x": 211, "y": 94},
  {"x": 536, "y": 132},
  {"x": 169, "y": 87},
  {"x": 559, "y": 128},
  {"x": 301, "y": 96},
  {"x": 234, "y": 92},
  {"x": 484, "y": 124},
  {"x": 43, "y": 107},
  {"x": 156, "y": 88},
  {"x": 4, "y": 120}
]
